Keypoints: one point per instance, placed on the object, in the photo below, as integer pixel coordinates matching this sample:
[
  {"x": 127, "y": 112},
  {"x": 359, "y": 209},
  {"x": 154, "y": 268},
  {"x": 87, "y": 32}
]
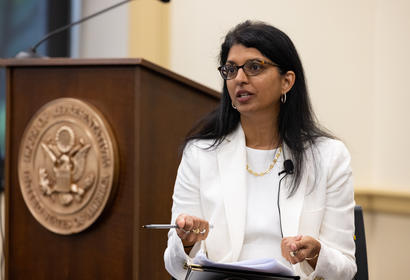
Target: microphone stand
[{"x": 31, "y": 52}]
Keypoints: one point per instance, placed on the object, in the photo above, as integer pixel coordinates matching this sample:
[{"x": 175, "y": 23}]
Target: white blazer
[{"x": 211, "y": 184}]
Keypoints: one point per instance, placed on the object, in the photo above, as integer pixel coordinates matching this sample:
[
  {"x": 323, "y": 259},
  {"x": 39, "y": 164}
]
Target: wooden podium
[{"x": 150, "y": 110}]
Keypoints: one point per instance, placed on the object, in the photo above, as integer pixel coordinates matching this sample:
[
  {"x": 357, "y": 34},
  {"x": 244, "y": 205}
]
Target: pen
[{"x": 163, "y": 226}]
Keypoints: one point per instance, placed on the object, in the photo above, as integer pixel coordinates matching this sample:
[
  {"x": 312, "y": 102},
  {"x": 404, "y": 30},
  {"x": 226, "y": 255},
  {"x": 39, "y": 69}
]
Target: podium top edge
[
  {"x": 55, "y": 62},
  {"x": 7, "y": 62}
]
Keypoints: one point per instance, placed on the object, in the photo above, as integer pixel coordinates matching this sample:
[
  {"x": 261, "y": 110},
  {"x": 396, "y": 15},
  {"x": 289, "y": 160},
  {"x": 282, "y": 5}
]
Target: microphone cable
[
  {"x": 278, "y": 204},
  {"x": 288, "y": 165}
]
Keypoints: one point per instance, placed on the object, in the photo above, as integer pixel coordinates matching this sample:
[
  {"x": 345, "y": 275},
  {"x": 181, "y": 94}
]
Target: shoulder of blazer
[{"x": 328, "y": 148}]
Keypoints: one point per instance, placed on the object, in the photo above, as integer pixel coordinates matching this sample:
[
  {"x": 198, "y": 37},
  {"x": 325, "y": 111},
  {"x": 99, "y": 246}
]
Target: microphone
[
  {"x": 31, "y": 52},
  {"x": 288, "y": 165}
]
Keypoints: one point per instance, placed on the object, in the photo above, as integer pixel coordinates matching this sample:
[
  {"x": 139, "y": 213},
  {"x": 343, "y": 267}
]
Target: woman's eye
[
  {"x": 255, "y": 66},
  {"x": 230, "y": 69}
]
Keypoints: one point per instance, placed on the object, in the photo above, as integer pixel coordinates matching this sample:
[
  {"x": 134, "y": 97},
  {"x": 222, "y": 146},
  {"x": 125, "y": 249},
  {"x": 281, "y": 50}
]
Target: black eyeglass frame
[{"x": 236, "y": 67}]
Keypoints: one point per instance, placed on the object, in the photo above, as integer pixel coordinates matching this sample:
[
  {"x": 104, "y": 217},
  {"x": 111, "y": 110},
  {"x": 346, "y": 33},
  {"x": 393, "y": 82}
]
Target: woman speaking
[{"x": 261, "y": 171}]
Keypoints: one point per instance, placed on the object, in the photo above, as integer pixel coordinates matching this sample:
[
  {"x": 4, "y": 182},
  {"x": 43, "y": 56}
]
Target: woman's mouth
[{"x": 243, "y": 96}]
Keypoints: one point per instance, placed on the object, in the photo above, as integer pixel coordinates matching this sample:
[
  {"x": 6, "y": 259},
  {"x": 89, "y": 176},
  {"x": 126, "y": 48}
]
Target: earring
[
  {"x": 283, "y": 98},
  {"x": 233, "y": 106}
]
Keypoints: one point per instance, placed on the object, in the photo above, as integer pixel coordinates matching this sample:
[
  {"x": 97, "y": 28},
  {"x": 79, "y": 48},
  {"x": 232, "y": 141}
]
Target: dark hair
[{"x": 297, "y": 123}]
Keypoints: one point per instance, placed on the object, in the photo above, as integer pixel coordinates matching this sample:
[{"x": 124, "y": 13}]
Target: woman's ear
[{"x": 288, "y": 80}]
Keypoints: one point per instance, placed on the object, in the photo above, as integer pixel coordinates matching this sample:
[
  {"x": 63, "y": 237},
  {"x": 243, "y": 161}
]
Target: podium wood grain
[{"x": 150, "y": 110}]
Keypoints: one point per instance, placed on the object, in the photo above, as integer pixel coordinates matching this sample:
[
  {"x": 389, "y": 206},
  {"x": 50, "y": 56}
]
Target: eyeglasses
[{"x": 251, "y": 68}]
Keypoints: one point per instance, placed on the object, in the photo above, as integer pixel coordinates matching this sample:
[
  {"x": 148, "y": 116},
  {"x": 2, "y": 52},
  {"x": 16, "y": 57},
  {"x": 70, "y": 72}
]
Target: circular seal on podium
[{"x": 67, "y": 165}]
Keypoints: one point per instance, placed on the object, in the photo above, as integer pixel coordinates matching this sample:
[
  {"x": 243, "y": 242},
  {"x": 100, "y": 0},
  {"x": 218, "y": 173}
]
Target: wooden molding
[{"x": 383, "y": 200}]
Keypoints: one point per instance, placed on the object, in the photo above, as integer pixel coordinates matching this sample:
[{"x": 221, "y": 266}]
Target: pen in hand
[{"x": 164, "y": 226}]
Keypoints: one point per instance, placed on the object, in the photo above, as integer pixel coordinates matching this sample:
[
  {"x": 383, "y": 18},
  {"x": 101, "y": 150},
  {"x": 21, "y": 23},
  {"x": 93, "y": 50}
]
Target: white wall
[
  {"x": 391, "y": 114},
  {"x": 355, "y": 55},
  {"x": 105, "y": 35},
  {"x": 388, "y": 246}
]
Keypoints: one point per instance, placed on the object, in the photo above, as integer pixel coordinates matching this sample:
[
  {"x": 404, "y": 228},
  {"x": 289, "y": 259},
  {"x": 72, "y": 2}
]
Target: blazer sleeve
[
  {"x": 185, "y": 200},
  {"x": 337, "y": 255}
]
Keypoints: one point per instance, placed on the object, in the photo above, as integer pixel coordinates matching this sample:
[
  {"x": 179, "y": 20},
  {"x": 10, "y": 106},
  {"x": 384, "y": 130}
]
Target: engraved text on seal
[{"x": 67, "y": 165}]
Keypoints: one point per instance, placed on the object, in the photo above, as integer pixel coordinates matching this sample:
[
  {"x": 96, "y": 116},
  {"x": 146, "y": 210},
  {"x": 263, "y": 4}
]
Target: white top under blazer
[
  {"x": 262, "y": 224},
  {"x": 211, "y": 184}
]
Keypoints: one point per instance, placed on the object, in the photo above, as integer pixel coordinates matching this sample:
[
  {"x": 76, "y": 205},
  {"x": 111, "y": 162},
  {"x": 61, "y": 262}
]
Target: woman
[{"x": 232, "y": 168}]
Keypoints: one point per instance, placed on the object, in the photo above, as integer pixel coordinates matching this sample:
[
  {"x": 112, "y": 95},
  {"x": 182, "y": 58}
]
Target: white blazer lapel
[
  {"x": 232, "y": 162},
  {"x": 291, "y": 207}
]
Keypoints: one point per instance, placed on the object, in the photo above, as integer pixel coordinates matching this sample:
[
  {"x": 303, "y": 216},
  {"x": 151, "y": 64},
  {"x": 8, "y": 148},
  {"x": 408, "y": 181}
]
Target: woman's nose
[{"x": 241, "y": 76}]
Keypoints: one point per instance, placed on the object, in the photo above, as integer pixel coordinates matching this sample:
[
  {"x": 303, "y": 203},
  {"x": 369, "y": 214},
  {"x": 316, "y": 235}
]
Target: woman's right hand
[{"x": 191, "y": 229}]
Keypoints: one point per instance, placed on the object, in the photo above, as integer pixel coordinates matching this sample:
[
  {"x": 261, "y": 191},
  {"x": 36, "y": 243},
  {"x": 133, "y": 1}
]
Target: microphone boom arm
[{"x": 58, "y": 30}]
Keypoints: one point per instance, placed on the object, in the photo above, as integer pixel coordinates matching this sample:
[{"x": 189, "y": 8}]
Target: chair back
[{"x": 360, "y": 240}]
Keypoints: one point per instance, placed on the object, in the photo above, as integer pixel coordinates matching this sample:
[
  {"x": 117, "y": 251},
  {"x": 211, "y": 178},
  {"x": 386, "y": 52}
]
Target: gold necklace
[{"x": 269, "y": 168}]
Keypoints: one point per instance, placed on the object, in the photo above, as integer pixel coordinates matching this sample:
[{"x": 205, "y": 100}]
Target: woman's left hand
[{"x": 296, "y": 249}]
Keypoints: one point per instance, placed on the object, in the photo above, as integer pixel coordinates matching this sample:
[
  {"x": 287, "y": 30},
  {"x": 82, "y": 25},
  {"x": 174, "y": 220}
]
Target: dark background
[{"x": 22, "y": 24}]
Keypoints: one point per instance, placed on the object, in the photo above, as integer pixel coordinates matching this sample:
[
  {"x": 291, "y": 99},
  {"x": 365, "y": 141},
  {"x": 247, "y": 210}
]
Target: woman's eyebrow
[{"x": 250, "y": 59}]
